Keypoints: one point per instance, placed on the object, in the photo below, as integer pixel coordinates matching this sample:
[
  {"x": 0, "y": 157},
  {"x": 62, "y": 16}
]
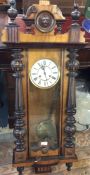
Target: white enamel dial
[{"x": 44, "y": 73}]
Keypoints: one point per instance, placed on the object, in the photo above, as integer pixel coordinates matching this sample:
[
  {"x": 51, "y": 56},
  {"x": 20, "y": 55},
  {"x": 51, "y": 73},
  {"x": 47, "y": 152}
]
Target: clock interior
[
  {"x": 44, "y": 110},
  {"x": 45, "y": 119}
]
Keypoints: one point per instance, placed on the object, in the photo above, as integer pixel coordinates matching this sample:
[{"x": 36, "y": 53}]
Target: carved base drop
[
  {"x": 69, "y": 165},
  {"x": 20, "y": 170},
  {"x": 38, "y": 169}
]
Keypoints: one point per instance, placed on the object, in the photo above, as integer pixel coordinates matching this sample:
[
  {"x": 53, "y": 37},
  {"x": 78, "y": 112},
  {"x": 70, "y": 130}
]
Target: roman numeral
[
  {"x": 35, "y": 78},
  {"x": 53, "y": 78}
]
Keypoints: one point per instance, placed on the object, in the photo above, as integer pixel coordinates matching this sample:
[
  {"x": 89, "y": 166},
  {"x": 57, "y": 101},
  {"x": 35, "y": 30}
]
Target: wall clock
[{"x": 45, "y": 65}]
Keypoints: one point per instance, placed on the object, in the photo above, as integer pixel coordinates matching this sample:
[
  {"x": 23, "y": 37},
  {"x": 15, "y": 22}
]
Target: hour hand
[{"x": 42, "y": 67}]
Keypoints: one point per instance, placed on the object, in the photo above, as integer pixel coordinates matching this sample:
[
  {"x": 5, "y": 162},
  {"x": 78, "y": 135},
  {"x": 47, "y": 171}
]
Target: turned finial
[
  {"x": 12, "y": 12},
  {"x": 75, "y": 13}
]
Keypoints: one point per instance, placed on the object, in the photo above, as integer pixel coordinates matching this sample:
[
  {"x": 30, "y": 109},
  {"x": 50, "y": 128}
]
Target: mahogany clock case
[{"x": 44, "y": 65}]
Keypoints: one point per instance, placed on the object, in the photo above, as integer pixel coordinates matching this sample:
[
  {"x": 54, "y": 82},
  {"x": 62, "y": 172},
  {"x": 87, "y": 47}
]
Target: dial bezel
[
  {"x": 47, "y": 87},
  {"x": 50, "y": 27}
]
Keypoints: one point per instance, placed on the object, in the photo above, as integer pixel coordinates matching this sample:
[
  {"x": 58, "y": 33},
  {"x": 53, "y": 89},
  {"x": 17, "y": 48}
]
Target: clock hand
[
  {"x": 45, "y": 72},
  {"x": 43, "y": 68}
]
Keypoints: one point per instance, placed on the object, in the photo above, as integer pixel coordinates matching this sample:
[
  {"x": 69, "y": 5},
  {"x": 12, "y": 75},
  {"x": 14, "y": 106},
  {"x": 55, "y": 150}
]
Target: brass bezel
[
  {"x": 42, "y": 29},
  {"x": 48, "y": 86}
]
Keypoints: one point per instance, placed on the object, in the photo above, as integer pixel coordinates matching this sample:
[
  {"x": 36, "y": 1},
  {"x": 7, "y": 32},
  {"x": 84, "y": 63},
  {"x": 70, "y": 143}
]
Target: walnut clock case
[{"x": 44, "y": 65}]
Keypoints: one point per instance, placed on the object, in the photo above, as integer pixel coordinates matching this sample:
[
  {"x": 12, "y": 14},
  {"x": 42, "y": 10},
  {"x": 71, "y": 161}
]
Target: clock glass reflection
[{"x": 44, "y": 117}]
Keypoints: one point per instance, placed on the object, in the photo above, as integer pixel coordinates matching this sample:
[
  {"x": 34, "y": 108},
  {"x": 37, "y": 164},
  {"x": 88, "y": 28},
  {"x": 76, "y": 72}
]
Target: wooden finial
[
  {"x": 12, "y": 11},
  {"x": 76, "y": 12}
]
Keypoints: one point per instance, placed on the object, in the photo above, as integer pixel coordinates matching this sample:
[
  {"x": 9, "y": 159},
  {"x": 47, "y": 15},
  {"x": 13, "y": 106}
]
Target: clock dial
[
  {"x": 44, "y": 73},
  {"x": 45, "y": 21}
]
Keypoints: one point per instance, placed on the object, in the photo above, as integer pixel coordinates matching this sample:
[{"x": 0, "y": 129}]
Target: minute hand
[{"x": 44, "y": 72}]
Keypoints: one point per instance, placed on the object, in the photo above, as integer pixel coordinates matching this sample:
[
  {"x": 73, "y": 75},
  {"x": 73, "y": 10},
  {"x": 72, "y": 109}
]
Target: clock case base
[{"x": 45, "y": 164}]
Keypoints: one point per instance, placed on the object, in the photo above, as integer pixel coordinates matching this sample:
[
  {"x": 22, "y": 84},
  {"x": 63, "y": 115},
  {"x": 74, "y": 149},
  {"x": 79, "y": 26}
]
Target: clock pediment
[
  {"x": 36, "y": 8},
  {"x": 43, "y": 16}
]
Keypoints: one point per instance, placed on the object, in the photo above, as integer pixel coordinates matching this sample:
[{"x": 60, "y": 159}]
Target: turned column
[
  {"x": 72, "y": 66},
  {"x": 19, "y": 125},
  {"x": 19, "y": 131}
]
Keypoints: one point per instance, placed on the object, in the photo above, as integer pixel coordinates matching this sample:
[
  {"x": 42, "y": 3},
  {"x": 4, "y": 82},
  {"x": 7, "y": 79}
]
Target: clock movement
[{"x": 44, "y": 65}]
